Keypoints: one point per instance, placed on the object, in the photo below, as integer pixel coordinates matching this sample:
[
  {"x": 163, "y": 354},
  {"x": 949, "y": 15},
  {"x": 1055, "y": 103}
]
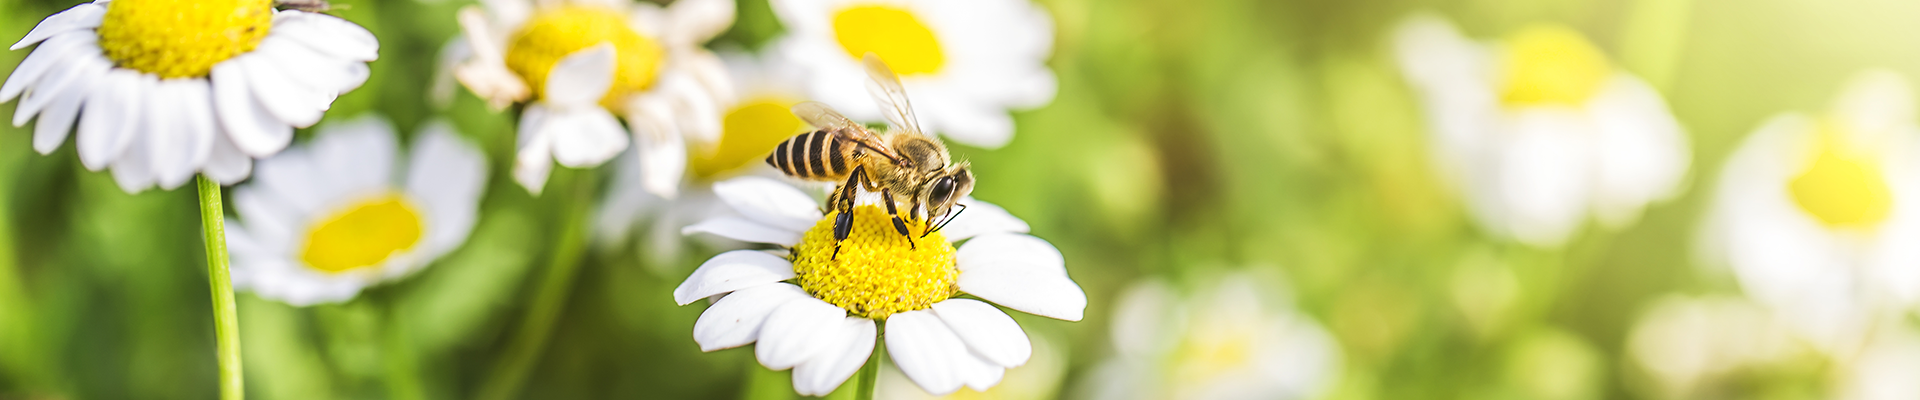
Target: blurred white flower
[
  {"x": 823, "y": 326},
  {"x": 328, "y": 218},
  {"x": 1687, "y": 344},
  {"x": 1818, "y": 216},
  {"x": 1885, "y": 369},
  {"x": 756, "y": 121},
  {"x": 174, "y": 87},
  {"x": 1232, "y": 339},
  {"x": 1540, "y": 130},
  {"x": 967, "y": 62},
  {"x": 577, "y": 63}
]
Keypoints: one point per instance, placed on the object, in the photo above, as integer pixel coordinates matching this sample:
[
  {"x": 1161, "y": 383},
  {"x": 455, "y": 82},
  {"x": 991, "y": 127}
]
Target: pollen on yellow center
[
  {"x": 1842, "y": 187},
  {"x": 895, "y": 34},
  {"x": 363, "y": 234},
  {"x": 877, "y": 274},
  {"x": 182, "y": 38},
  {"x": 1551, "y": 65},
  {"x": 555, "y": 33},
  {"x": 750, "y": 131}
]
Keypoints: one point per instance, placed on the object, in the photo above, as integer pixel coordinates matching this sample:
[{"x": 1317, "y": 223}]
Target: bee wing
[
  {"x": 823, "y": 116},
  {"x": 885, "y": 88}
]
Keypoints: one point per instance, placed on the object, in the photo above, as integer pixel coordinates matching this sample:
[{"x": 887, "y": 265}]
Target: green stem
[
  {"x": 226, "y": 328},
  {"x": 870, "y": 373},
  {"x": 555, "y": 287}
]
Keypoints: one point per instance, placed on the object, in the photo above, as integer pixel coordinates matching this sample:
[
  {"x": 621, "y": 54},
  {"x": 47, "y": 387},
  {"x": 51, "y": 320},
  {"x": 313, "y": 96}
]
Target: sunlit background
[{"x": 1261, "y": 199}]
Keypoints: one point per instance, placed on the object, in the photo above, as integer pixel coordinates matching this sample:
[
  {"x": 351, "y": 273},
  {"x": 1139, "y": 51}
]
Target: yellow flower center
[
  {"x": 894, "y": 34},
  {"x": 1843, "y": 187},
  {"x": 557, "y": 32},
  {"x": 876, "y": 274},
  {"x": 1551, "y": 65},
  {"x": 362, "y": 235},
  {"x": 750, "y": 131},
  {"x": 182, "y": 38}
]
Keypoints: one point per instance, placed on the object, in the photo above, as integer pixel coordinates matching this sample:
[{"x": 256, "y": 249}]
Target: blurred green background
[{"x": 1187, "y": 138}]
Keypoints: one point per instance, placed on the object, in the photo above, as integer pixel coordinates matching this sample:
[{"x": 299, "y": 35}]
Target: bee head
[{"x": 944, "y": 190}]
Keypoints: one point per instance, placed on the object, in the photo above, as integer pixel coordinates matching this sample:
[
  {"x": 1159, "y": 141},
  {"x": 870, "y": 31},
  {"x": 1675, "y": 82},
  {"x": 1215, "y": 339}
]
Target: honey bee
[{"x": 906, "y": 161}]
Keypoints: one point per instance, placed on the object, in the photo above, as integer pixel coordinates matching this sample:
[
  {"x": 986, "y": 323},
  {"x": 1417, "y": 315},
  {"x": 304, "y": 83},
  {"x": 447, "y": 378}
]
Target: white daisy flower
[
  {"x": 1818, "y": 215},
  {"x": 1540, "y": 130},
  {"x": 1227, "y": 341},
  {"x": 816, "y": 312},
  {"x": 966, "y": 62},
  {"x": 577, "y": 63},
  {"x": 326, "y": 219},
  {"x": 174, "y": 87},
  {"x": 756, "y": 122}
]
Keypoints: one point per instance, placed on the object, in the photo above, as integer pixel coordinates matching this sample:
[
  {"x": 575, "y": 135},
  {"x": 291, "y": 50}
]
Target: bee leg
[
  {"x": 898, "y": 225},
  {"x": 843, "y": 223}
]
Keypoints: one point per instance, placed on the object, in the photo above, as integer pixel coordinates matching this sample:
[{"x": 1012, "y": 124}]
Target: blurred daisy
[
  {"x": 1884, "y": 369},
  {"x": 1540, "y": 129},
  {"x": 816, "y": 312},
  {"x": 324, "y": 220},
  {"x": 966, "y": 62},
  {"x": 577, "y": 63},
  {"x": 174, "y": 87},
  {"x": 756, "y": 122},
  {"x": 1692, "y": 345},
  {"x": 1228, "y": 341},
  {"x": 1818, "y": 215}
]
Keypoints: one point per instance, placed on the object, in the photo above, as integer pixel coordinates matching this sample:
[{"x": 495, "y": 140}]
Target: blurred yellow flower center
[
  {"x": 897, "y": 36},
  {"x": 1842, "y": 187},
  {"x": 363, "y": 234},
  {"x": 1551, "y": 65},
  {"x": 876, "y": 274},
  {"x": 1213, "y": 354},
  {"x": 182, "y": 38},
  {"x": 751, "y": 130},
  {"x": 555, "y": 33}
]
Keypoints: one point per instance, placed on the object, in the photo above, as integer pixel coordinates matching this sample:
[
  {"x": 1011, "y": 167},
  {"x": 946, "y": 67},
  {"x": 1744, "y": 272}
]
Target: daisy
[
  {"x": 1540, "y": 129},
  {"x": 174, "y": 87},
  {"x": 1817, "y": 216},
  {"x": 1691, "y": 346},
  {"x": 575, "y": 64},
  {"x": 326, "y": 219},
  {"x": 818, "y": 312},
  {"x": 756, "y": 122},
  {"x": 967, "y": 63},
  {"x": 1227, "y": 341}
]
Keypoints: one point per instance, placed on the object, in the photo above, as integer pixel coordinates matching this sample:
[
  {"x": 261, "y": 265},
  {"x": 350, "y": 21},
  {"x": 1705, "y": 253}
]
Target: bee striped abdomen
[{"x": 811, "y": 155}]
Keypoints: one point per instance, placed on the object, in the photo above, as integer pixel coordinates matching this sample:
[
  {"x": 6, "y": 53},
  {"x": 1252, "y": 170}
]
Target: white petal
[
  {"x": 114, "y": 111},
  {"x": 730, "y": 271},
  {"x": 64, "y": 77},
  {"x": 982, "y": 218},
  {"x": 169, "y": 146},
  {"x": 970, "y": 124},
  {"x": 696, "y": 21},
  {"x": 735, "y": 320},
  {"x": 328, "y": 34},
  {"x": 767, "y": 201},
  {"x": 1007, "y": 250},
  {"x": 925, "y": 350},
  {"x": 798, "y": 331},
  {"x": 357, "y": 155},
  {"x": 585, "y": 138},
  {"x": 832, "y": 367},
  {"x": 227, "y": 164},
  {"x": 59, "y": 116},
  {"x": 990, "y": 333},
  {"x": 535, "y": 157},
  {"x": 448, "y": 175},
  {"x": 292, "y": 103},
  {"x": 1028, "y": 289},
  {"x": 56, "y": 52},
  {"x": 251, "y": 127},
  {"x": 743, "y": 230},
  {"x": 580, "y": 79},
  {"x": 305, "y": 67},
  {"x": 662, "y": 151},
  {"x": 82, "y": 16},
  {"x": 132, "y": 170},
  {"x": 194, "y": 117}
]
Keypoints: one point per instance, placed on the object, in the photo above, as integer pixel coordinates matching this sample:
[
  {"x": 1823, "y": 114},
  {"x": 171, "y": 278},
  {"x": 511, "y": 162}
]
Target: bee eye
[{"x": 942, "y": 190}]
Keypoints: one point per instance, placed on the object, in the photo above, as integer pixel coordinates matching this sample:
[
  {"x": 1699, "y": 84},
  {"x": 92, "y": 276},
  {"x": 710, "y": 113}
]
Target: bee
[
  {"x": 312, "y": 6},
  {"x": 908, "y": 167}
]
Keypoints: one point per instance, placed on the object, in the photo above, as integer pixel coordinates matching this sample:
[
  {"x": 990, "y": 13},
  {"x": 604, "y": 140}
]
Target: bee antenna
[{"x": 948, "y": 220}]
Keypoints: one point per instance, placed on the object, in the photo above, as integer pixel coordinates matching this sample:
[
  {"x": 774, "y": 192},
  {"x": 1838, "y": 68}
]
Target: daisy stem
[
  {"x": 226, "y": 328},
  {"x": 549, "y": 298},
  {"x": 870, "y": 373}
]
